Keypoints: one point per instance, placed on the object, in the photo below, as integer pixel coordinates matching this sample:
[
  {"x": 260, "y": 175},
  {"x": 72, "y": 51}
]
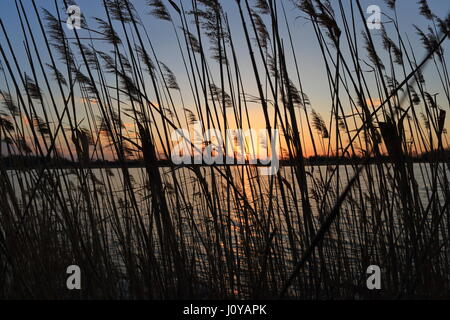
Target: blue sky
[{"x": 162, "y": 35}]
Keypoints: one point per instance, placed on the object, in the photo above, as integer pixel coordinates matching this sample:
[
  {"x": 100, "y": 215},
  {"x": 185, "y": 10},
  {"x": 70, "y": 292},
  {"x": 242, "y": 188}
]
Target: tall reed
[{"x": 85, "y": 173}]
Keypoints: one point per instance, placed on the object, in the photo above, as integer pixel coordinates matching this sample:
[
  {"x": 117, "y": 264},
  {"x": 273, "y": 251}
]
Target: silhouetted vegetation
[{"x": 82, "y": 106}]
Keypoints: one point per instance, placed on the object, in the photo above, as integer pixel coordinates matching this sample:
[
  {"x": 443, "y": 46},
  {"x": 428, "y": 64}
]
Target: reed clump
[{"x": 82, "y": 107}]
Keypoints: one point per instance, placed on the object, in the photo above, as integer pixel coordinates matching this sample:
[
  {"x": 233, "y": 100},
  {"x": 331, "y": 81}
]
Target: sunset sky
[{"x": 311, "y": 66}]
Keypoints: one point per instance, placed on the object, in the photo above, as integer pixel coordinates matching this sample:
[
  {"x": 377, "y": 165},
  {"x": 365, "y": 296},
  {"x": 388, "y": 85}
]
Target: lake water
[{"x": 213, "y": 209}]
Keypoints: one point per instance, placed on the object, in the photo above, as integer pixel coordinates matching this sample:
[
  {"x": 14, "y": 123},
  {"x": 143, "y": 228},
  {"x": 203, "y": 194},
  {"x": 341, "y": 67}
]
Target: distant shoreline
[{"x": 38, "y": 163}]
